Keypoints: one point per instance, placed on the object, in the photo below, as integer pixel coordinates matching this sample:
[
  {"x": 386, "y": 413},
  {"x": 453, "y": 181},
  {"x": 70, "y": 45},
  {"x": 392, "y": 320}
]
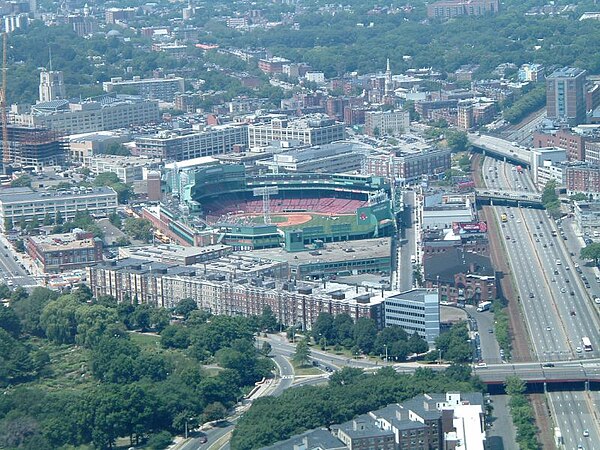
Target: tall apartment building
[
  {"x": 52, "y": 85},
  {"x": 24, "y": 204},
  {"x": 408, "y": 167},
  {"x": 565, "y": 96},
  {"x": 456, "y": 8},
  {"x": 163, "y": 89},
  {"x": 114, "y": 15},
  {"x": 108, "y": 113},
  {"x": 378, "y": 123},
  {"x": 311, "y": 130},
  {"x": 415, "y": 311},
  {"x": 179, "y": 146}
]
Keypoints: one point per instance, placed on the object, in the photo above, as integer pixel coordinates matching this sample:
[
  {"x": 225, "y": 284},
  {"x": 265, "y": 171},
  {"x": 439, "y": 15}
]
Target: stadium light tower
[{"x": 266, "y": 193}]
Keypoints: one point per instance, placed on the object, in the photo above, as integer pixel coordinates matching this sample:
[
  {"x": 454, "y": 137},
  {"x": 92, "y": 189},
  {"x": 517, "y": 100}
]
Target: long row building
[{"x": 246, "y": 285}]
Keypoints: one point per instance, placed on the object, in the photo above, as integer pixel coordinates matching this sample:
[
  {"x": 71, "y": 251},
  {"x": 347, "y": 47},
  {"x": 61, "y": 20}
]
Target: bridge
[
  {"x": 490, "y": 196},
  {"x": 542, "y": 377},
  {"x": 500, "y": 148}
]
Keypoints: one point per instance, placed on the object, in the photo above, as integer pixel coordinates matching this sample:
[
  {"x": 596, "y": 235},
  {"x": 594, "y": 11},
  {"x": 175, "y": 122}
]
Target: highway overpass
[
  {"x": 500, "y": 148},
  {"x": 489, "y": 196},
  {"x": 542, "y": 377}
]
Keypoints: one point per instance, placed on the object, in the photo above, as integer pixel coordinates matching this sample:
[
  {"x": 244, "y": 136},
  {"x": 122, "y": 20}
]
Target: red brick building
[{"x": 574, "y": 144}]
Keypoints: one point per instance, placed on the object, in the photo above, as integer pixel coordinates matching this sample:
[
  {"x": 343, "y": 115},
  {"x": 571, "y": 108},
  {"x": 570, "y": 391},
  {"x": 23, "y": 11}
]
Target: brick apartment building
[{"x": 573, "y": 143}]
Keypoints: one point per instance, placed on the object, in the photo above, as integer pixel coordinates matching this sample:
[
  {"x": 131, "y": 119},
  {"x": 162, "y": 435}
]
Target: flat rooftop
[
  {"x": 62, "y": 242},
  {"x": 8, "y": 195},
  {"x": 170, "y": 251},
  {"x": 335, "y": 251}
]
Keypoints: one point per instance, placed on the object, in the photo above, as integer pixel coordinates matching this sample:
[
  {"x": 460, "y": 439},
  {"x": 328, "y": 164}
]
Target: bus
[
  {"x": 587, "y": 344},
  {"x": 503, "y": 217}
]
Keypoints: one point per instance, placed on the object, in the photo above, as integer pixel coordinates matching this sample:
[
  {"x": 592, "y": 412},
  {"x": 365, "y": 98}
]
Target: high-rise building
[
  {"x": 565, "y": 96},
  {"x": 52, "y": 85}
]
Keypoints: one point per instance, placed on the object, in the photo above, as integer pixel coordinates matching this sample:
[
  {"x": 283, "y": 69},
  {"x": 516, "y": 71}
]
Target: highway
[
  {"x": 557, "y": 308},
  {"x": 501, "y": 148}
]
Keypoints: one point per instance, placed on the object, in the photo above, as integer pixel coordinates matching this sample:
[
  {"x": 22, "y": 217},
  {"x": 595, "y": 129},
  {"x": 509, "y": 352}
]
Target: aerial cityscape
[{"x": 300, "y": 225}]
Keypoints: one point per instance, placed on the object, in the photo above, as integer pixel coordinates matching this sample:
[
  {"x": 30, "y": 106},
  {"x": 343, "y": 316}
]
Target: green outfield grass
[{"x": 317, "y": 220}]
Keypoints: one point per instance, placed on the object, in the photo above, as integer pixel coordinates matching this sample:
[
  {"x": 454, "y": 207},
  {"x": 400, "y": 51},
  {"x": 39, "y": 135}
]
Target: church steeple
[{"x": 389, "y": 86}]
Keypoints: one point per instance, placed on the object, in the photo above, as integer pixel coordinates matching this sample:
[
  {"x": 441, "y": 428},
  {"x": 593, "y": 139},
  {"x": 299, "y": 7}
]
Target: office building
[
  {"x": 52, "y": 85},
  {"x": 109, "y": 112},
  {"x": 56, "y": 253},
  {"x": 415, "y": 311},
  {"x": 565, "y": 96},
  {"x": 163, "y": 89},
  {"x": 447, "y": 9},
  {"x": 310, "y": 130},
  {"x": 379, "y": 123},
  {"x": 542, "y": 157},
  {"x": 184, "y": 145},
  {"x": 19, "y": 205},
  {"x": 127, "y": 168},
  {"x": 337, "y": 157},
  {"x": 84, "y": 146},
  {"x": 409, "y": 166}
]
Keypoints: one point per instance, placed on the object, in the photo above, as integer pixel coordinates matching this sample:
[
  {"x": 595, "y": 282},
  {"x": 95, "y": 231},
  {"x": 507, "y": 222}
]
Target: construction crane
[{"x": 5, "y": 149}]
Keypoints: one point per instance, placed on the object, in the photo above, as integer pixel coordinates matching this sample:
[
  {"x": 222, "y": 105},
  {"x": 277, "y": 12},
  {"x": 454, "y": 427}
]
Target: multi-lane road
[
  {"x": 12, "y": 272},
  {"x": 558, "y": 308}
]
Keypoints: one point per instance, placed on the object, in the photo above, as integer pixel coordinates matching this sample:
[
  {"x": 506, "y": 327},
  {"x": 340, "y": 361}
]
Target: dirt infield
[{"x": 293, "y": 219}]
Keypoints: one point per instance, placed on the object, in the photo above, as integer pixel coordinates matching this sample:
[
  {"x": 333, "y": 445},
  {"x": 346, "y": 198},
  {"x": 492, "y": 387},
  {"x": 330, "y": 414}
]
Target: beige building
[{"x": 378, "y": 123}]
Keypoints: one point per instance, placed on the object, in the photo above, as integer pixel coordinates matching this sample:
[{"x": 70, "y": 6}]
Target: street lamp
[
  {"x": 386, "y": 354},
  {"x": 186, "y": 426}
]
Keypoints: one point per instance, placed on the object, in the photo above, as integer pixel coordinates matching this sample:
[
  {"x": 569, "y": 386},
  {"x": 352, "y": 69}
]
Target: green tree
[
  {"x": 515, "y": 386},
  {"x": 302, "y": 353},
  {"x": 115, "y": 219},
  {"x": 185, "y": 307},
  {"x": 591, "y": 252},
  {"x": 9, "y": 321},
  {"x": 324, "y": 328},
  {"x": 365, "y": 332},
  {"x": 457, "y": 141},
  {"x": 47, "y": 220},
  {"x": 417, "y": 344},
  {"x": 214, "y": 411},
  {"x": 268, "y": 321},
  {"x": 139, "y": 229},
  {"x": 8, "y": 224},
  {"x": 21, "y": 181},
  {"x": 159, "y": 441},
  {"x": 58, "y": 319}
]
